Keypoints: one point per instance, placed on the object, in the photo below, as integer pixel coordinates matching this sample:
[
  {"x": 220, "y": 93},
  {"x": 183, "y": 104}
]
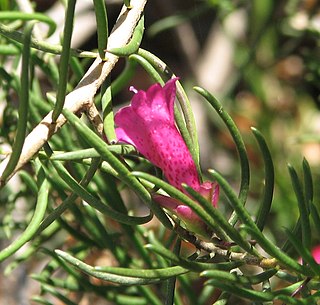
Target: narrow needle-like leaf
[
  {"x": 244, "y": 163},
  {"x": 23, "y": 105},
  {"x": 64, "y": 60},
  {"x": 95, "y": 141},
  {"x": 266, "y": 201},
  {"x": 124, "y": 276},
  {"x": 32, "y": 227},
  {"x": 102, "y": 25},
  {"x": 304, "y": 214}
]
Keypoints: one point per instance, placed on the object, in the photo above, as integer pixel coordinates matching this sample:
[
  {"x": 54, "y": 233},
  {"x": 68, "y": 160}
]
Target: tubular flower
[
  {"x": 148, "y": 124},
  {"x": 316, "y": 253}
]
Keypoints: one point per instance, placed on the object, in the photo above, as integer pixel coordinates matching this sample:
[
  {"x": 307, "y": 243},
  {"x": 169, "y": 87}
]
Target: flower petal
[
  {"x": 210, "y": 191},
  {"x": 166, "y": 202},
  {"x": 192, "y": 221},
  {"x": 149, "y": 125},
  {"x": 131, "y": 129},
  {"x": 122, "y": 136},
  {"x": 170, "y": 94},
  {"x": 157, "y": 103},
  {"x": 316, "y": 254}
]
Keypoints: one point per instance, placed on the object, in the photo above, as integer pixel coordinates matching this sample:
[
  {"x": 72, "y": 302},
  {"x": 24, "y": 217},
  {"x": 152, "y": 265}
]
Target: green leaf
[
  {"x": 55, "y": 292},
  {"x": 39, "y": 212},
  {"x": 315, "y": 217},
  {"x": 304, "y": 214},
  {"x": 41, "y": 45},
  {"x": 123, "y": 79},
  {"x": 252, "y": 294},
  {"x": 134, "y": 44},
  {"x": 12, "y": 15},
  {"x": 189, "y": 264},
  {"x": 123, "y": 276},
  {"x": 273, "y": 250},
  {"x": 237, "y": 279},
  {"x": 304, "y": 253},
  {"x": 23, "y": 106},
  {"x": 308, "y": 183},
  {"x": 220, "y": 221},
  {"x": 213, "y": 220},
  {"x": 266, "y": 201},
  {"x": 95, "y": 202},
  {"x": 102, "y": 25},
  {"x": 64, "y": 60},
  {"x": 124, "y": 174},
  {"x": 170, "y": 284},
  {"x": 244, "y": 162},
  {"x": 234, "y": 201},
  {"x": 90, "y": 153}
]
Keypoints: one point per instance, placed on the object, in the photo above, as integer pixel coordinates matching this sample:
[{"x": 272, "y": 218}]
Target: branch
[
  {"x": 82, "y": 96},
  {"x": 218, "y": 248}
]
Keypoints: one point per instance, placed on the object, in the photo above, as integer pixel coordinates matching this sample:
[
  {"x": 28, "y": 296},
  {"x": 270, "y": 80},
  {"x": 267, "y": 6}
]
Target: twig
[
  {"x": 82, "y": 96},
  {"x": 219, "y": 248},
  {"x": 95, "y": 118}
]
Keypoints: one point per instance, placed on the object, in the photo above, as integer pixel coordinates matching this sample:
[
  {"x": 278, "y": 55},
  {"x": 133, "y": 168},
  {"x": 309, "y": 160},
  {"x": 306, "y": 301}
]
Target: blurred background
[{"x": 261, "y": 59}]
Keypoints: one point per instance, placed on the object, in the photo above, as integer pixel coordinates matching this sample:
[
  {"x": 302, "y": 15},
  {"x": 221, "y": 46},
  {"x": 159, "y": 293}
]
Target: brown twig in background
[{"x": 80, "y": 98}]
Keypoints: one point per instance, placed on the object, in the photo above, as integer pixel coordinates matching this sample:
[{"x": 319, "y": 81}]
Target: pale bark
[{"x": 80, "y": 98}]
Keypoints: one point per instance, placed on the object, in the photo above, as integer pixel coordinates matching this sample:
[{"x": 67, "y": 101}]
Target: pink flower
[
  {"x": 148, "y": 124},
  {"x": 316, "y": 253},
  {"x": 193, "y": 222}
]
